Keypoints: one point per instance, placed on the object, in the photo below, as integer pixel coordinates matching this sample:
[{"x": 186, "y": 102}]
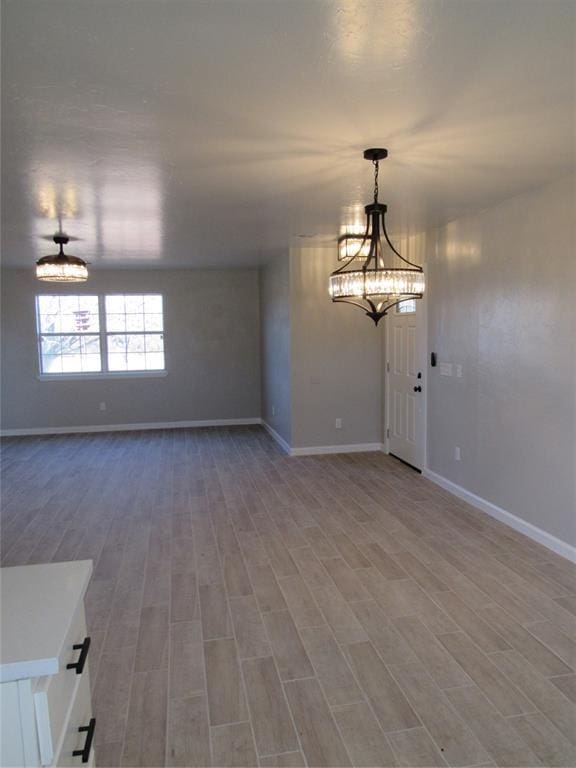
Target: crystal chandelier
[
  {"x": 378, "y": 285},
  {"x": 61, "y": 268}
]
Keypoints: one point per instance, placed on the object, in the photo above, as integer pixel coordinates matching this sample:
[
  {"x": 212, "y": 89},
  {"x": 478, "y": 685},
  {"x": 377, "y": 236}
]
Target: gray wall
[
  {"x": 276, "y": 346},
  {"x": 502, "y": 303},
  {"x": 212, "y": 350},
  {"x": 336, "y": 359}
]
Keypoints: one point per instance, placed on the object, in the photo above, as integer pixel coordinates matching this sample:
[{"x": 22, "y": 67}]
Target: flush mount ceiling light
[
  {"x": 61, "y": 268},
  {"x": 381, "y": 283}
]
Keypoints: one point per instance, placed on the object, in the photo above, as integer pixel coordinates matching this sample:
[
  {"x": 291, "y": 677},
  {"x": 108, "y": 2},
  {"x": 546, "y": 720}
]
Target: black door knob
[{"x": 417, "y": 389}]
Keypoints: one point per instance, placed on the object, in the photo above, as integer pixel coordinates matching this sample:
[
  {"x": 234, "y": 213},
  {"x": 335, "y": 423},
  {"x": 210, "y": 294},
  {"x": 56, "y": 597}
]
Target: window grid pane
[
  {"x": 135, "y": 352},
  {"x": 70, "y": 353},
  {"x": 68, "y": 314}
]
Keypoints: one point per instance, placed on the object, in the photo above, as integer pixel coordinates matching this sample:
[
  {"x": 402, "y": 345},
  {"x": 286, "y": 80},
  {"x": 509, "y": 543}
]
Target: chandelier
[
  {"x": 61, "y": 268},
  {"x": 379, "y": 284}
]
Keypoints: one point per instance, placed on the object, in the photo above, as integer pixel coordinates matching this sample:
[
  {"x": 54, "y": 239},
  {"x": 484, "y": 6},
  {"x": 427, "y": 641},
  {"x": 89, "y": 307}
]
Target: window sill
[{"x": 106, "y": 375}]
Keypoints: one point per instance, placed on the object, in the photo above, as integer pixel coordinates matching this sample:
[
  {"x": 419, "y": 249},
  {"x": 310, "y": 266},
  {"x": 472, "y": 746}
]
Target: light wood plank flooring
[{"x": 247, "y": 608}]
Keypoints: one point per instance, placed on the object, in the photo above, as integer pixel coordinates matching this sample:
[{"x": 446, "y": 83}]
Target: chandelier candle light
[
  {"x": 378, "y": 285},
  {"x": 61, "y": 268}
]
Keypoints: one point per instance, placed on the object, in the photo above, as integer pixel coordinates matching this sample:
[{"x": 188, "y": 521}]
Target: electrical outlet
[
  {"x": 445, "y": 369},
  {"x": 102, "y": 406},
  {"x": 457, "y": 454},
  {"x": 338, "y": 423},
  {"x": 458, "y": 369}
]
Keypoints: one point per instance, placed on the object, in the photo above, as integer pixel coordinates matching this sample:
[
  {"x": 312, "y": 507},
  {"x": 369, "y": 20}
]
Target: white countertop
[{"x": 37, "y": 604}]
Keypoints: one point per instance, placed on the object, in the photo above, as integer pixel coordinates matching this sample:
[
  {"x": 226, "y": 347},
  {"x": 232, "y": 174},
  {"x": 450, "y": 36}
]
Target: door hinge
[
  {"x": 388, "y": 433},
  {"x": 387, "y": 367}
]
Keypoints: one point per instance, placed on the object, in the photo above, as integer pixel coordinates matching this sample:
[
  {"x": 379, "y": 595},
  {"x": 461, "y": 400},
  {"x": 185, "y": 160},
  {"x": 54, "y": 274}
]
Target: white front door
[{"x": 405, "y": 370}]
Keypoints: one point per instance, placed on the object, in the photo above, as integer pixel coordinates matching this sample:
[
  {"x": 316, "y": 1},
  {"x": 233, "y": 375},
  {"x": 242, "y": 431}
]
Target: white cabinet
[{"x": 45, "y": 708}]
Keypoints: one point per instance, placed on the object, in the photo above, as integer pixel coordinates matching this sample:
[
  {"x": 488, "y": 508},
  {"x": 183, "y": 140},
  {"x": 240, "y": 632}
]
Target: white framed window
[
  {"x": 406, "y": 307},
  {"x": 106, "y": 334},
  {"x": 134, "y": 332}
]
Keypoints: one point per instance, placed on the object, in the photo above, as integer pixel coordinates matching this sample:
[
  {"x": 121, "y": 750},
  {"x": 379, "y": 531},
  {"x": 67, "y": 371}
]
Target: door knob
[{"x": 417, "y": 389}]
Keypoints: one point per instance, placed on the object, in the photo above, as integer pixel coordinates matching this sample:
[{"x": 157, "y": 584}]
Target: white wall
[
  {"x": 336, "y": 359},
  {"x": 212, "y": 343},
  {"x": 502, "y": 303},
  {"x": 320, "y": 361},
  {"x": 276, "y": 346}
]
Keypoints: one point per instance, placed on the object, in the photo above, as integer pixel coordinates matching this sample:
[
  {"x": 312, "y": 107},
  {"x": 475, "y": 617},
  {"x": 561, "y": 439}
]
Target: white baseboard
[
  {"x": 130, "y": 427},
  {"x": 315, "y": 450},
  {"x": 278, "y": 438},
  {"x": 561, "y": 548},
  {"x": 318, "y": 450}
]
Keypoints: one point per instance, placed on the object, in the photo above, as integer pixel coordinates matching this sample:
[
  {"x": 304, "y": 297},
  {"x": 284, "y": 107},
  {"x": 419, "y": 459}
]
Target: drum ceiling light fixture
[
  {"x": 379, "y": 284},
  {"x": 61, "y": 268}
]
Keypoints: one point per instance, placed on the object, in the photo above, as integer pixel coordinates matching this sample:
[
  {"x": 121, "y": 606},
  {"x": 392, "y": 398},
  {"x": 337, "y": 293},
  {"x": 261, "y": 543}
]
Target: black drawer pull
[
  {"x": 89, "y": 731},
  {"x": 83, "y": 647}
]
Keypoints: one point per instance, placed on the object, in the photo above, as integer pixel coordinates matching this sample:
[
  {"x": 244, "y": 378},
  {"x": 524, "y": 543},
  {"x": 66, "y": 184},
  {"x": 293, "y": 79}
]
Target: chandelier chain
[{"x": 376, "y": 165}]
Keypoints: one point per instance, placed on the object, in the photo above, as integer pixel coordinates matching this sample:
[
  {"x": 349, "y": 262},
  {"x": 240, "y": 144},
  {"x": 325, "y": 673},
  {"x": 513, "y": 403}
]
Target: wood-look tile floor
[{"x": 248, "y": 609}]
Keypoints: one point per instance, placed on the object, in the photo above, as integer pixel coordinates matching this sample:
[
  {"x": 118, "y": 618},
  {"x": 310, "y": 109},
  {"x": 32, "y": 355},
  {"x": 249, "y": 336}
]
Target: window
[
  {"x": 406, "y": 307},
  {"x": 69, "y": 334},
  {"x": 134, "y": 338},
  {"x": 100, "y": 334}
]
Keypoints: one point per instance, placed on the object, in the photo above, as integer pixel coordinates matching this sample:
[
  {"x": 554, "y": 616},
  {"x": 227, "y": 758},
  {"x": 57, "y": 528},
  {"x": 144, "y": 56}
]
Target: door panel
[
  {"x": 411, "y": 433},
  {"x": 411, "y": 350},
  {"x": 398, "y": 356},
  {"x": 397, "y": 421}
]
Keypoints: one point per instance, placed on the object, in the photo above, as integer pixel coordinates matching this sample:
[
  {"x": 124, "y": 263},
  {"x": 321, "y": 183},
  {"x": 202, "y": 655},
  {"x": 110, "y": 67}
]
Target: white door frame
[{"x": 422, "y": 330}]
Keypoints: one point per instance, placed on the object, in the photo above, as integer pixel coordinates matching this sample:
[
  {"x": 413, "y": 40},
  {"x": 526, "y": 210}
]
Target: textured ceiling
[{"x": 186, "y": 133}]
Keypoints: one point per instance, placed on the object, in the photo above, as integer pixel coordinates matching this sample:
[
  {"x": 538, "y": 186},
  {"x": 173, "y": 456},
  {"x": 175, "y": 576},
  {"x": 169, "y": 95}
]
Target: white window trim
[
  {"x": 160, "y": 374},
  {"x": 103, "y": 336}
]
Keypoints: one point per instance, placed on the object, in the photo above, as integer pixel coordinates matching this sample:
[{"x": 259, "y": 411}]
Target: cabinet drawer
[
  {"x": 53, "y": 694},
  {"x": 75, "y": 735}
]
